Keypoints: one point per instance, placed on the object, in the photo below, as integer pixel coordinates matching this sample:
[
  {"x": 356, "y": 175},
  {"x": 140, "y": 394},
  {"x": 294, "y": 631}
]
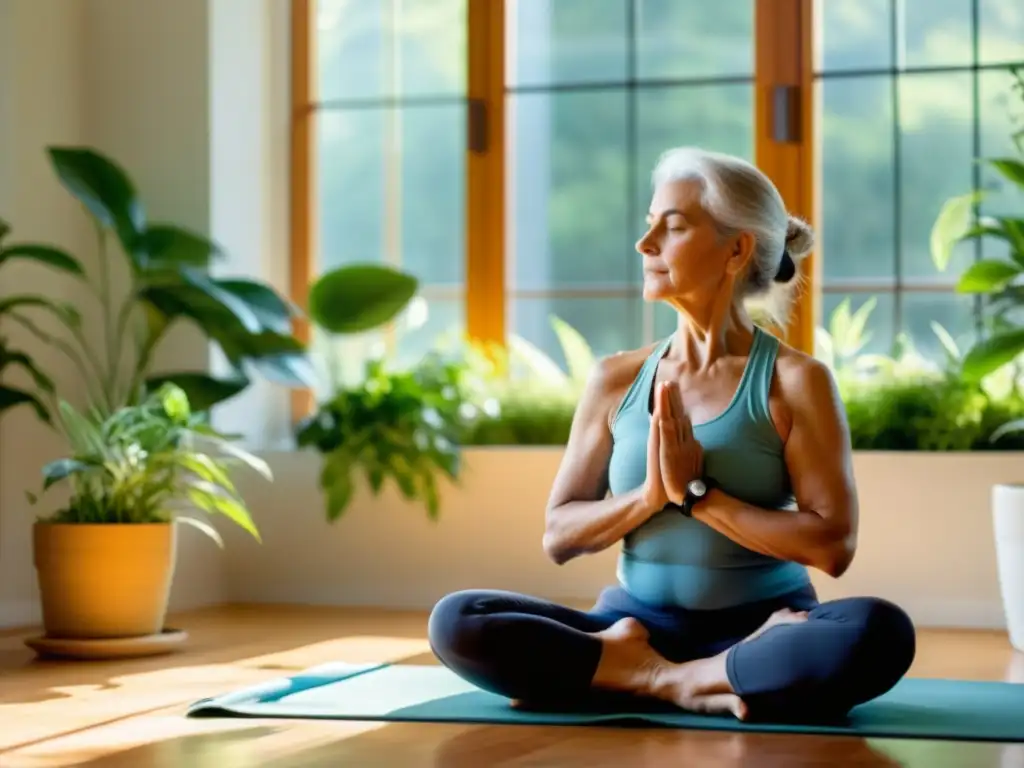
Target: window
[
  {"x": 909, "y": 94},
  {"x": 501, "y": 149}
]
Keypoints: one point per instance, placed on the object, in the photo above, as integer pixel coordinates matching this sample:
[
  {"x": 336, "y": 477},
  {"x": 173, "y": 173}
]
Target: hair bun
[
  {"x": 787, "y": 268},
  {"x": 799, "y": 238}
]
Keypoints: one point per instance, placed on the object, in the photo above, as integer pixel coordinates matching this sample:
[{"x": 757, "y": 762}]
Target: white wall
[
  {"x": 926, "y": 539},
  {"x": 41, "y": 99},
  {"x": 190, "y": 97}
]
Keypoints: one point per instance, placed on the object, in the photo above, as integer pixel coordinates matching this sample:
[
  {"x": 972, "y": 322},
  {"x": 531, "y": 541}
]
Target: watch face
[{"x": 698, "y": 488}]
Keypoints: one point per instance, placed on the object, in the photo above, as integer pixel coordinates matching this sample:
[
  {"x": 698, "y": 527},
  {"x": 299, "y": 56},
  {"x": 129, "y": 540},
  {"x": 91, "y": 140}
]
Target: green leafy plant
[
  {"x": 407, "y": 426},
  {"x": 148, "y": 463},
  {"x": 403, "y": 425},
  {"x": 12, "y": 309},
  {"x": 169, "y": 282},
  {"x": 996, "y": 279}
]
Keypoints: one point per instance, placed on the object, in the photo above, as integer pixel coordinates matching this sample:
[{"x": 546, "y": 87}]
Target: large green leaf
[
  {"x": 1011, "y": 169},
  {"x": 359, "y": 297},
  {"x": 43, "y": 254},
  {"x": 66, "y": 312},
  {"x": 11, "y": 397},
  {"x": 288, "y": 369},
  {"x": 203, "y": 526},
  {"x": 215, "y": 500},
  {"x": 103, "y": 188},
  {"x": 203, "y": 391},
  {"x": 987, "y": 276},
  {"x": 279, "y": 357},
  {"x": 22, "y": 360},
  {"x": 951, "y": 226},
  {"x": 1006, "y": 228},
  {"x": 274, "y": 312},
  {"x": 163, "y": 246},
  {"x": 992, "y": 353},
  {"x": 337, "y": 483},
  {"x": 225, "y": 299},
  {"x": 61, "y": 469}
]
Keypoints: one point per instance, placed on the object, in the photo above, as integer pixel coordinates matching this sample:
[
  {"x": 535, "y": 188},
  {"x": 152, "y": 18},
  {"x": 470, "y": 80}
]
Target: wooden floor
[{"x": 129, "y": 713}]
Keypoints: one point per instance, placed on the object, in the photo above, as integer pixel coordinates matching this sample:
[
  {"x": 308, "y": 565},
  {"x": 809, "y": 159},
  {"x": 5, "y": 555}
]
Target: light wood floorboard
[{"x": 111, "y": 714}]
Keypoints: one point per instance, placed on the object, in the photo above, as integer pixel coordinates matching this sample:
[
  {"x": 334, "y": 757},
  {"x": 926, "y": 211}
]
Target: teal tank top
[{"x": 676, "y": 561}]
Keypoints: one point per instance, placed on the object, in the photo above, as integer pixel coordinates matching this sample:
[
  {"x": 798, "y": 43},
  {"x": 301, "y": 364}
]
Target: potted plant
[
  {"x": 998, "y": 280},
  {"x": 106, "y": 560},
  {"x": 119, "y": 485},
  {"x": 403, "y": 425}
]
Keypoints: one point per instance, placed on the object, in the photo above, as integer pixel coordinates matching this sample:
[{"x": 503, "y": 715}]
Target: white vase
[{"x": 1008, "y": 524}]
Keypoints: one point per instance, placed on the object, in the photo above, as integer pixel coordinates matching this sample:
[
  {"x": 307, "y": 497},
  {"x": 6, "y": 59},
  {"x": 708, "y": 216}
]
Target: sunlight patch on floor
[{"x": 57, "y": 709}]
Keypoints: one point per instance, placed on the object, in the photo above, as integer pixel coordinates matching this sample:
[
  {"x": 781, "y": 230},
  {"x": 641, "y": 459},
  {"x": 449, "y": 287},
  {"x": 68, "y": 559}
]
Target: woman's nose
[{"x": 645, "y": 246}]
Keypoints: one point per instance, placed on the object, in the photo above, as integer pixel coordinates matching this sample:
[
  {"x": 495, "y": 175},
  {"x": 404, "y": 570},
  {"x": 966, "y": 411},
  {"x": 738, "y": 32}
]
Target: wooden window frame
[{"x": 785, "y": 133}]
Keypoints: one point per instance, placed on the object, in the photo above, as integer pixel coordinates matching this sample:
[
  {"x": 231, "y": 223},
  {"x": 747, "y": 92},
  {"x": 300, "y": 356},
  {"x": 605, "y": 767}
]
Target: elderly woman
[{"x": 721, "y": 460}]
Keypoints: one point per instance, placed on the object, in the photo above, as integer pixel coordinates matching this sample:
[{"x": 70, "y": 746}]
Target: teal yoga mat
[{"x": 915, "y": 708}]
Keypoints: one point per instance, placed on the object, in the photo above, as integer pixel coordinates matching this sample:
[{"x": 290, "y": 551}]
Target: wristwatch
[{"x": 696, "y": 490}]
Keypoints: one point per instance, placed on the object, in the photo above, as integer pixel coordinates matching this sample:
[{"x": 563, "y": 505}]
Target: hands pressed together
[{"x": 674, "y": 457}]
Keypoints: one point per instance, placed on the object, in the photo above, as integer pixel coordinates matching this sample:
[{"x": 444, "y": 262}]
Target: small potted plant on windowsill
[
  {"x": 404, "y": 425},
  {"x": 999, "y": 282}
]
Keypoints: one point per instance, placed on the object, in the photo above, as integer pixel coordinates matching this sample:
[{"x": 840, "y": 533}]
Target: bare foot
[{"x": 628, "y": 663}]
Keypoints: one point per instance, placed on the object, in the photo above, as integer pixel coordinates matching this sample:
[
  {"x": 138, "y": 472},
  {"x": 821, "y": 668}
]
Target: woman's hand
[
  {"x": 681, "y": 456},
  {"x": 654, "y": 495}
]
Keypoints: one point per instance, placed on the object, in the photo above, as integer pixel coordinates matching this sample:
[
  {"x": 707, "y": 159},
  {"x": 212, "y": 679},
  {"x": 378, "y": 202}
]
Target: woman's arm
[
  {"x": 581, "y": 518},
  {"x": 822, "y": 531}
]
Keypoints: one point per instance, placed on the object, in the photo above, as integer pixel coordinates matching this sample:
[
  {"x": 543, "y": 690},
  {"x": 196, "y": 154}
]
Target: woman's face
[{"x": 685, "y": 258}]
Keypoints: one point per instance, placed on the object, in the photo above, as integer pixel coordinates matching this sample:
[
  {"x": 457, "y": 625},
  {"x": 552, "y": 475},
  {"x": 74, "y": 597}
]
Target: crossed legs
[{"x": 795, "y": 665}]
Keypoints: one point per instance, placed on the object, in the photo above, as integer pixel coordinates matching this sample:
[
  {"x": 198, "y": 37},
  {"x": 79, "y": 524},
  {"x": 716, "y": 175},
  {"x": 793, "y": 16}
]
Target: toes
[{"x": 720, "y": 704}]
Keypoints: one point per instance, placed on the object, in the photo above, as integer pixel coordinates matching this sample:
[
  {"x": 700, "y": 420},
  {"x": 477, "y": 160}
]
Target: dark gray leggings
[{"x": 848, "y": 652}]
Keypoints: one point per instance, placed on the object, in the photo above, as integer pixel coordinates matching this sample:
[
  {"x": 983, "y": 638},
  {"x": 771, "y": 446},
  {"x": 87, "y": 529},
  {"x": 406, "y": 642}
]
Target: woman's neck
[{"x": 702, "y": 337}]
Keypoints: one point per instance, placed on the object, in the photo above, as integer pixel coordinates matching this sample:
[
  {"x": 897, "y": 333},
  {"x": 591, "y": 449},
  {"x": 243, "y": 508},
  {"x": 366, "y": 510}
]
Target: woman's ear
[{"x": 742, "y": 249}]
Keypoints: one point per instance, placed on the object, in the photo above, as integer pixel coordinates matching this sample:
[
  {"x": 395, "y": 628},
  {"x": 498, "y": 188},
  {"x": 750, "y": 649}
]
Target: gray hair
[{"x": 741, "y": 198}]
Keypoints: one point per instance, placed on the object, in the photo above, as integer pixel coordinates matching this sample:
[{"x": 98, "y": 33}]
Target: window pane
[
  {"x": 936, "y": 121},
  {"x": 608, "y": 324},
  {"x": 716, "y": 117},
  {"x": 552, "y": 42},
  {"x": 392, "y": 189},
  {"x": 936, "y": 33},
  {"x": 853, "y": 34},
  {"x": 953, "y": 311},
  {"x": 376, "y": 50},
  {"x": 878, "y": 335},
  {"x": 998, "y": 105},
  {"x": 351, "y": 185},
  {"x": 433, "y": 200},
  {"x": 445, "y": 322},
  {"x": 697, "y": 39},
  {"x": 569, "y": 177},
  {"x": 1001, "y": 33},
  {"x": 858, "y": 190}
]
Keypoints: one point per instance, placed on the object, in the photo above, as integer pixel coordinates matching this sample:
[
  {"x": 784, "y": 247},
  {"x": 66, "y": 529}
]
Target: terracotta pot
[{"x": 104, "y": 580}]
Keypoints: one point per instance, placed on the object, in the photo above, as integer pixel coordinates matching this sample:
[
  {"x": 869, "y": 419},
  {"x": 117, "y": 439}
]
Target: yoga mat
[{"x": 915, "y": 708}]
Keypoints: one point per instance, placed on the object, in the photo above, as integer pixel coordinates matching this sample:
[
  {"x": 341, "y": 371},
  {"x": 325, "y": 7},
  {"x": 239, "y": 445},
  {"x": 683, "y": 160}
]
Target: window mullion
[
  {"x": 785, "y": 127},
  {"x": 485, "y": 172}
]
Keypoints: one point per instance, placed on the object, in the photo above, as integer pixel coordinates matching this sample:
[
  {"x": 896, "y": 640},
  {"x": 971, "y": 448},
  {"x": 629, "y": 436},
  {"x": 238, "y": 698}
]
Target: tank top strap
[
  {"x": 637, "y": 398},
  {"x": 760, "y": 369}
]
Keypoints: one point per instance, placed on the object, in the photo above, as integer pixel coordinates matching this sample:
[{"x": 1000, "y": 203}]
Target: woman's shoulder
[
  {"x": 611, "y": 377},
  {"x": 804, "y": 381},
  {"x": 618, "y": 370}
]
